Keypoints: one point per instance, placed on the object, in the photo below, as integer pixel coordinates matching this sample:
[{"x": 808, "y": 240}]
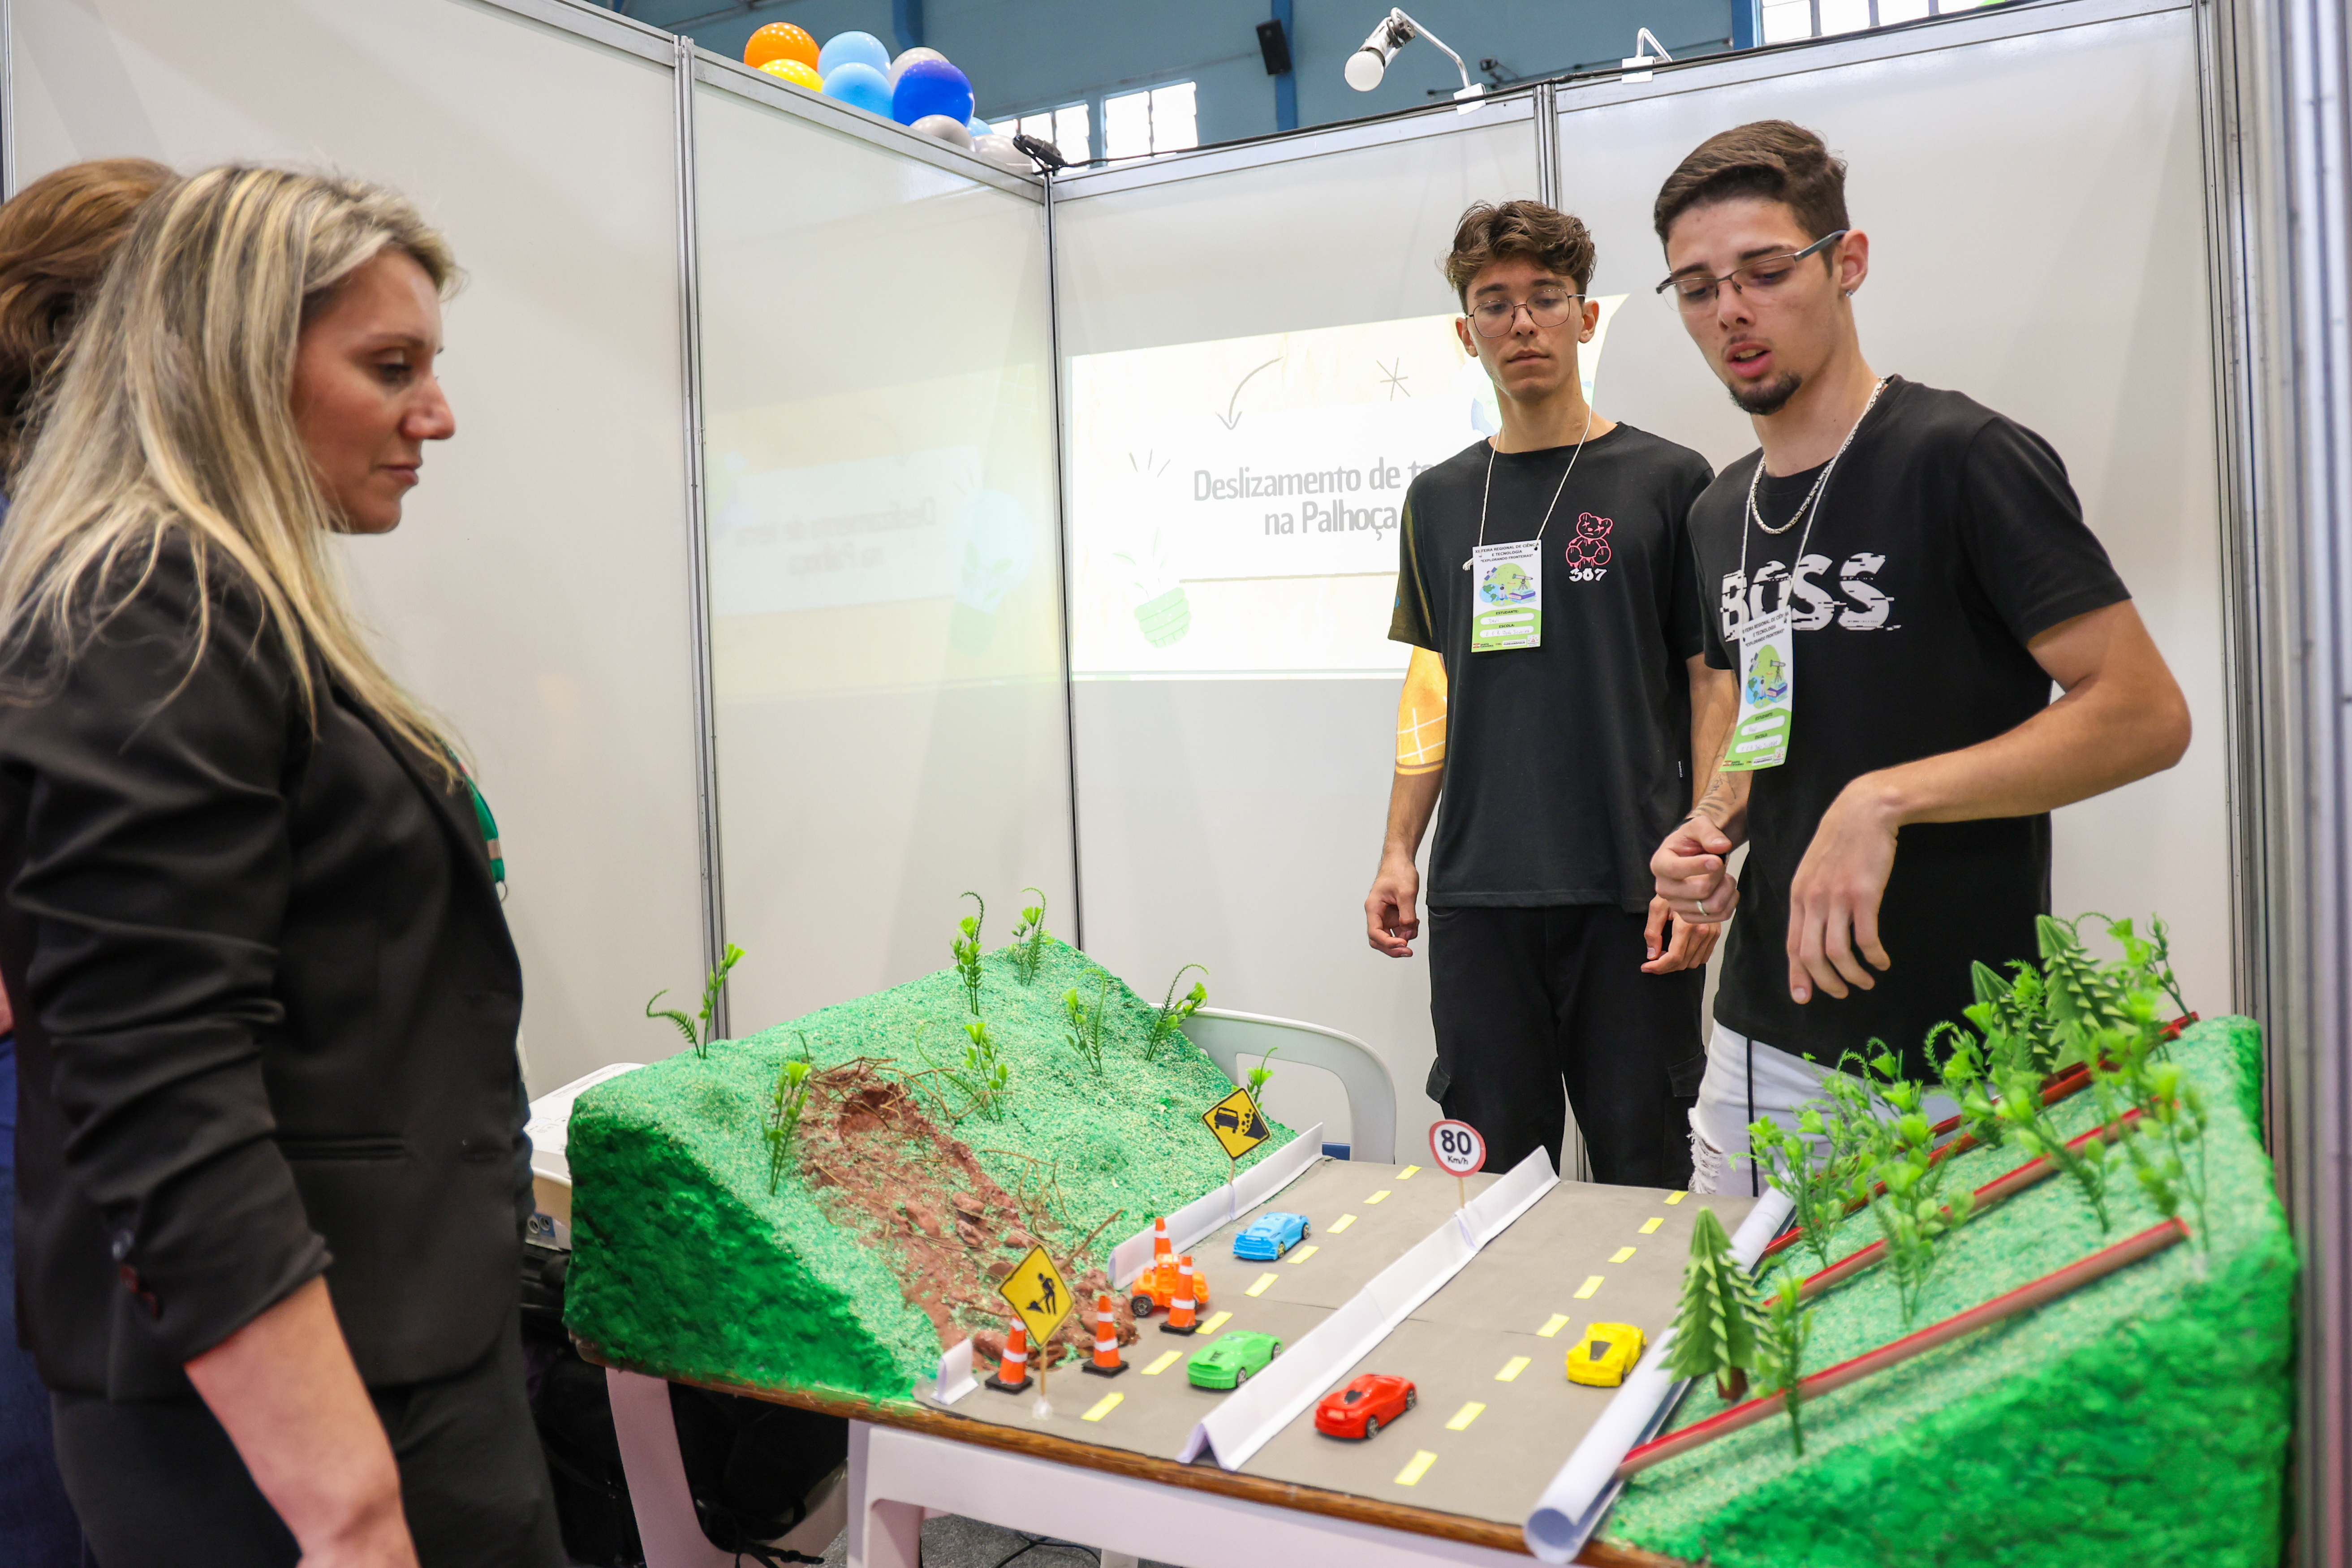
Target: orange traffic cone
[
  {"x": 1161, "y": 1248},
  {"x": 1181, "y": 1308},
  {"x": 1013, "y": 1367},
  {"x": 1107, "y": 1363}
]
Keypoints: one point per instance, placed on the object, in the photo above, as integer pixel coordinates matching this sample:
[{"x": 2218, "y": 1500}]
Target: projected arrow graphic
[{"x": 1230, "y": 417}]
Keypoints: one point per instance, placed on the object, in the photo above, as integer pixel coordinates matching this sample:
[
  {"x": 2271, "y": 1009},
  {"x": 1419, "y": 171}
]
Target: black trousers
[
  {"x": 158, "y": 1485},
  {"x": 1527, "y": 1000}
]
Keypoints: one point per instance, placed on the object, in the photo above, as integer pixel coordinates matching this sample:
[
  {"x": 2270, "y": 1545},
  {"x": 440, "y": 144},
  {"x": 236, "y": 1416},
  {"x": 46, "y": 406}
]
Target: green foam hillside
[
  {"x": 2143, "y": 1419},
  {"x": 684, "y": 1264}
]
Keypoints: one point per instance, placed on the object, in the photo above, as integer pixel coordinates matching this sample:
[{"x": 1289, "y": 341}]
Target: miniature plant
[
  {"x": 783, "y": 1116},
  {"x": 2175, "y": 1121},
  {"x": 1029, "y": 936},
  {"x": 1816, "y": 1190},
  {"x": 1781, "y": 1351},
  {"x": 985, "y": 1077},
  {"x": 2025, "y": 1121},
  {"x": 1174, "y": 1013},
  {"x": 1719, "y": 1322},
  {"x": 1905, "y": 1186},
  {"x": 1087, "y": 1023},
  {"x": 698, "y": 1043},
  {"x": 1258, "y": 1076},
  {"x": 967, "y": 952}
]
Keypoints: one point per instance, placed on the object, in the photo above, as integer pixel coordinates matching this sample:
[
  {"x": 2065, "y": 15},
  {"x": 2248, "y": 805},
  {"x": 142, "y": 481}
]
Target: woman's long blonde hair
[{"x": 174, "y": 414}]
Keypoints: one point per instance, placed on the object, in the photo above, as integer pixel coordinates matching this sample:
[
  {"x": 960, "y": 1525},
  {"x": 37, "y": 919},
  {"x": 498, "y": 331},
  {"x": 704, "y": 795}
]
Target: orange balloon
[
  {"x": 781, "y": 41},
  {"x": 798, "y": 72}
]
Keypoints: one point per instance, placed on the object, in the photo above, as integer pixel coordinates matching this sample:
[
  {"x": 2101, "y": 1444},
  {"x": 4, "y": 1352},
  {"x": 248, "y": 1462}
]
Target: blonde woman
[{"x": 267, "y": 1001}]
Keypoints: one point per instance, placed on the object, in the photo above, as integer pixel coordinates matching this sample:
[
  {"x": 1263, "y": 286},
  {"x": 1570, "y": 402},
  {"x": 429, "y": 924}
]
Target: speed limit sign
[{"x": 1456, "y": 1146}]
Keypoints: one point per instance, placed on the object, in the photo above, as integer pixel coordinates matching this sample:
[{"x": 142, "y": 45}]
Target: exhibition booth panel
[
  {"x": 1257, "y": 359},
  {"x": 537, "y": 592},
  {"x": 884, "y": 568}
]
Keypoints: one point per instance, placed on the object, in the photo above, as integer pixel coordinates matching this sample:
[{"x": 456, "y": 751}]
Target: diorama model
[
  {"x": 1229, "y": 1362},
  {"x": 1270, "y": 1235},
  {"x": 1364, "y": 1406}
]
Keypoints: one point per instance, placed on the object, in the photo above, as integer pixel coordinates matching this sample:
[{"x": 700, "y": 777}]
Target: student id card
[
  {"x": 1768, "y": 691},
  {"x": 1507, "y": 596}
]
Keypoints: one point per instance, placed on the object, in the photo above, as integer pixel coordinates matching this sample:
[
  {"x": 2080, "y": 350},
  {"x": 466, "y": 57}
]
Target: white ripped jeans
[{"x": 1747, "y": 1080}]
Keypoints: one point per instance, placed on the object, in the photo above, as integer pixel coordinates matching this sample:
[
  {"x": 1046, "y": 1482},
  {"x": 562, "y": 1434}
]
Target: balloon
[
  {"x": 860, "y": 86},
  {"x": 954, "y": 133},
  {"x": 909, "y": 57},
  {"x": 797, "y": 72},
  {"x": 844, "y": 49},
  {"x": 1001, "y": 152},
  {"x": 780, "y": 41},
  {"x": 980, "y": 128},
  {"x": 930, "y": 86}
]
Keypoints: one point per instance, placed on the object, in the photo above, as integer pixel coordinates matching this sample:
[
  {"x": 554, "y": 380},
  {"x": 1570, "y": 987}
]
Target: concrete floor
[{"x": 952, "y": 1542}]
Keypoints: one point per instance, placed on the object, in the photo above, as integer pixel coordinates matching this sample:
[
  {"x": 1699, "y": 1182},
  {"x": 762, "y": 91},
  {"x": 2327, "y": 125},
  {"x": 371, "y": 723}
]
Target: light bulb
[{"x": 1365, "y": 68}]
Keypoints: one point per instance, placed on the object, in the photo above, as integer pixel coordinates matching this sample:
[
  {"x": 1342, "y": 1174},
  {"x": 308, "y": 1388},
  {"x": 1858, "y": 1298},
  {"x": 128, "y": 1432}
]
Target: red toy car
[{"x": 1364, "y": 1406}]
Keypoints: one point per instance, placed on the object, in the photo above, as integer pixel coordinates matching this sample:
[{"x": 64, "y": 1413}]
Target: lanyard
[
  {"x": 1557, "y": 490},
  {"x": 485, "y": 822}
]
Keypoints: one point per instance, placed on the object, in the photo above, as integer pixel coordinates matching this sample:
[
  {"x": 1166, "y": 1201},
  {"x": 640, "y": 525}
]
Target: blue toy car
[{"x": 1270, "y": 1235}]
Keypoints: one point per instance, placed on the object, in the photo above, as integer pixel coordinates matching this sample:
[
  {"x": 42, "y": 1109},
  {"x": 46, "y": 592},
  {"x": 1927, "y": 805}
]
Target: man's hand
[
  {"x": 1833, "y": 901},
  {"x": 1692, "y": 881},
  {"x": 1687, "y": 948},
  {"x": 1390, "y": 921}
]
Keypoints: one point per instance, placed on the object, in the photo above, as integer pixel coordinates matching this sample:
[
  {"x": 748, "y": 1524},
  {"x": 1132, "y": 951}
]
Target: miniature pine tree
[{"x": 1719, "y": 1322}]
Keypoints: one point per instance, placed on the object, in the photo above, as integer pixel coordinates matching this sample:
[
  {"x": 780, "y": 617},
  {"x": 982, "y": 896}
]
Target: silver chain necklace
[
  {"x": 1812, "y": 496},
  {"x": 1554, "y": 494}
]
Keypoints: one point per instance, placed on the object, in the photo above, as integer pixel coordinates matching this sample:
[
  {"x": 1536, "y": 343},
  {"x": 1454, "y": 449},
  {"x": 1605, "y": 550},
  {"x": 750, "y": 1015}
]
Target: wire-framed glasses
[
  {"x": 1545, "y": 308},
  {"x": 1695, "y": 290}
]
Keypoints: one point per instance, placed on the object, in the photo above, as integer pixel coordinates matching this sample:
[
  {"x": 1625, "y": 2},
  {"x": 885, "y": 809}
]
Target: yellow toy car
[{"x": 1604, "y": 1355}]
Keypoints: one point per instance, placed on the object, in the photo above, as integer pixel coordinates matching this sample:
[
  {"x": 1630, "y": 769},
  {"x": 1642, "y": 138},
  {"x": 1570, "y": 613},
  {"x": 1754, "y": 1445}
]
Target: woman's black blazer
[{"x": 266, "y": 1005}]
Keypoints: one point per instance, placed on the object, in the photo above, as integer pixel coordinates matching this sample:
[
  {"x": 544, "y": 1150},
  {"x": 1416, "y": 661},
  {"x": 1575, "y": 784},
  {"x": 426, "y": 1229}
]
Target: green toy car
[{"x": 1229, "y": 1362}]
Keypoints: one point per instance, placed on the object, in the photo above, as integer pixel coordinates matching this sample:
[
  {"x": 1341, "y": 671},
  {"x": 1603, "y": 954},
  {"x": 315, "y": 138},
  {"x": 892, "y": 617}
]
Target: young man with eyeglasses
[
  {"x": 1899, "y": 574},
  {"x": 1547, "y": 585}
]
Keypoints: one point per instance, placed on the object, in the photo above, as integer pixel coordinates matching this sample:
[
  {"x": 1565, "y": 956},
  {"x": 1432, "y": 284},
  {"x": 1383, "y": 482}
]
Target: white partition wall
[
  {"x": 537, "y": 591},
  {"x": 884, "y": 572},
  {"x": 1238, "y": 310},
  {"x": 2033, "y": 190}
]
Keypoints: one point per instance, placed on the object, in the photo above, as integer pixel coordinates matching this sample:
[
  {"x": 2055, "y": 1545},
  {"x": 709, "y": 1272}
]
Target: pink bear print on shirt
[{"x": 1590, "y": 545}]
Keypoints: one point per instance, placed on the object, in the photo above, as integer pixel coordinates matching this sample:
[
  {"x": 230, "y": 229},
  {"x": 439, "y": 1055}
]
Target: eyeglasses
[
  {"x": 1545, "y": 308},
  {"x": 1695, "y": 291}
]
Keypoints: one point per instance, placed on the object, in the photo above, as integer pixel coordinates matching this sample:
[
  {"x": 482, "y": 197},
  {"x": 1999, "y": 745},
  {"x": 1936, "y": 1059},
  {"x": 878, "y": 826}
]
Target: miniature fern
[
  {"x": 1258, "y": 1076},
  {"x": 783, "y": 1116},
  {"x": 698, "y": 1041},
  {"x": 1174, "y": 1013},
  {"x": 967, "y": 952},
  {"x": 1781, "y": 1351},
  {"x": 1029, "y": 936},
  {"x": 1087, "y": 1023}
]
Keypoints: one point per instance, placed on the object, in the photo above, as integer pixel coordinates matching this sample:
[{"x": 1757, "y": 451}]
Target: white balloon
[
  {"x": 946, "y": 128},
  {"x": 1001, "y": 152},
  {"x": 909, "y": 57}
]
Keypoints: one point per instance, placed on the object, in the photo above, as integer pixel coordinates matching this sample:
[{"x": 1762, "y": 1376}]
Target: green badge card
[
  {"x": 1768, "y": 694},
  {"x": 1506, "y": 596}
]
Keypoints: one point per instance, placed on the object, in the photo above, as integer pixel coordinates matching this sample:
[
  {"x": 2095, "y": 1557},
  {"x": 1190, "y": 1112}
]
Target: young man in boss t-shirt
[
  {"x": 1937, "y": 578},
  {"x": 1546, "y": 583}
]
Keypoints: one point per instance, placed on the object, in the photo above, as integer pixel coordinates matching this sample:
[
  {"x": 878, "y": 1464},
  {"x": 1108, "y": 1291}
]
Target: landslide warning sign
[{"x": 1237, "y": 1124}]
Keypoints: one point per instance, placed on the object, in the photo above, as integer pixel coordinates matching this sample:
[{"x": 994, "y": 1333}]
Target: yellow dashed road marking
[
  {"x": 1406, "y": 1175},
  {"x": 1584, "y": 1291},
  {"x": 1300, "y": 1255},
  {"x": 1676, "y": 1197},
  {"x": 1378, "y": 1196},
  {"x": 1650, "y": 1225},
  {"x": 1621, "y": 1254},
  {"x": 1103, "y": 1407},
  {"x": 1463, "y": 1416},
  {"x": 1342, "y": 1223},
  {"x": 1417, "y": 1469},
  {"x": 1162, "y": 1365},
  {"x": 1552, "y": 1325},
  {"x": 1214, "y": 1324},
  {"x": 1259, "y": 1287},
  {"x": 1511, "y": 1369}
]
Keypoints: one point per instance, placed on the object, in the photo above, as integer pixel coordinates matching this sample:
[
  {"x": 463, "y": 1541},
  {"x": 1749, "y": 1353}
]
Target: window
[
  {"x": 1786, "y": 20},
  {"x": 1068, "y": 128},
  {"x": 1164, "y": 120}
]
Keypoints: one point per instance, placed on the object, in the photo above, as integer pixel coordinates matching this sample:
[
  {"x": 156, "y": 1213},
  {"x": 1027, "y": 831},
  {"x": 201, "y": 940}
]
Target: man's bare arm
[
  {"x": 1714, "y": 704},
  {"x": 1390, "y": 920},
  {"x": 1689, "y": 866},
  {"x": 2122, "y": 718}
]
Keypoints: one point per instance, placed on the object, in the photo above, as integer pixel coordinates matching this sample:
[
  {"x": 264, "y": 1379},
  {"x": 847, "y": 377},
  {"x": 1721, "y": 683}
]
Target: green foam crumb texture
[
  {"x": 684, "y": 1264},
  {"x": 2143, "y": 1419}
]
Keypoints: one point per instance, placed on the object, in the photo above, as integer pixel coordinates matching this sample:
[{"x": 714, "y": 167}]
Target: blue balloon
[
  {"x": 860, "y": 86},
  {"x": 852, "y": 49},
  {"x": 931, "y": 87}
]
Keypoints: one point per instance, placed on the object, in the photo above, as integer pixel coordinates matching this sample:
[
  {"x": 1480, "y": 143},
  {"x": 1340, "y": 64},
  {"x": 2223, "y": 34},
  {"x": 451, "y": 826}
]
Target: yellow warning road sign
[
  {"x": 1237, "y": 1124},
  {"x": 1036, "y": 1290}
]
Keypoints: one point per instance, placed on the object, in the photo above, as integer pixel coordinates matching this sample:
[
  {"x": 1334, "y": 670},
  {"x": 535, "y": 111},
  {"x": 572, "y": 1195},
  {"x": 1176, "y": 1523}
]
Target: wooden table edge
[{"x": 914, "y": 1417}]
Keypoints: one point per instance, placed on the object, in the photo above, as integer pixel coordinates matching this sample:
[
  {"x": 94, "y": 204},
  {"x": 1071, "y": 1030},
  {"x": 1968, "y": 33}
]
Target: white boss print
[{"x": 1858, "y": 604}]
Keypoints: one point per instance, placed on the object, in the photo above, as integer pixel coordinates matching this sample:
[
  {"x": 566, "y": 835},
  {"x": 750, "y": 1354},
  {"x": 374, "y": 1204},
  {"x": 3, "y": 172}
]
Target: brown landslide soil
[{"x": 884, "y": 1170}]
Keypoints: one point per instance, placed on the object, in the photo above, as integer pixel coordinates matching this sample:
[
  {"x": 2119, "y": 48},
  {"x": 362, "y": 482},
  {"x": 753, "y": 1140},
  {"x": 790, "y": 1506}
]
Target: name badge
[
  {"x": 1768, "y": 694},
  {"x": 1506, "y": 596}
]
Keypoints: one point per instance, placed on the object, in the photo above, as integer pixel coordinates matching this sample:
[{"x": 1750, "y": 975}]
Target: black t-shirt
[
  {"x": 1948, "y": 537},
  {"x": 1567, "y": 763}
]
